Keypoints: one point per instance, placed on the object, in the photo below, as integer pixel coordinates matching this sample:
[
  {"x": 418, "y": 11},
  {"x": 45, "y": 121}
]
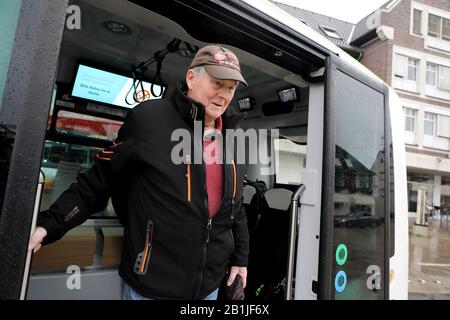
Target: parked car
[{"x": 359, "y": 219}]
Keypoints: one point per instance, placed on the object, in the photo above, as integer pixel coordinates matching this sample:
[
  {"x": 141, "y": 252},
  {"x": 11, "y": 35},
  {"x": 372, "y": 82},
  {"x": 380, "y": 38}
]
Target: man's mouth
[{"x": 217, "y": 105}]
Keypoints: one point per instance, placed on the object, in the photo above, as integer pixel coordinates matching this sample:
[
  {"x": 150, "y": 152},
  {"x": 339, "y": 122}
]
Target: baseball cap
[{"x": 219, "y": 63}]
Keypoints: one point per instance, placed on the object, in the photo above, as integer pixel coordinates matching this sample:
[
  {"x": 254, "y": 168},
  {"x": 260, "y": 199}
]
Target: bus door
[{"x": 354, "y": 235}]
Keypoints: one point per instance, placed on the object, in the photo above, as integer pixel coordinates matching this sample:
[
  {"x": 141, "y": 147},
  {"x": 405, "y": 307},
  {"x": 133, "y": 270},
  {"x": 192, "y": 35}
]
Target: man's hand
[
  {"x": 242, "y": 271},
  {"x": 36, "y": 239}
]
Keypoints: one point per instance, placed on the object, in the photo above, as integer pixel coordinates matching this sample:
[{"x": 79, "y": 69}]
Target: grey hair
[{"x": 199, "y": 71}]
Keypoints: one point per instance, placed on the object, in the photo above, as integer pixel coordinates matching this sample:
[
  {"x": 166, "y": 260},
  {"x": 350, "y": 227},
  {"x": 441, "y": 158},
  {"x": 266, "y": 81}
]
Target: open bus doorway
[
  {"x": 334, "y": 130},
  {"x": 115, "y": 37}
]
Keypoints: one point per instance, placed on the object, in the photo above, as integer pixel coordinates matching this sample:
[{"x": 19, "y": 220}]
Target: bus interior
[{"x": 117, "y": 36}]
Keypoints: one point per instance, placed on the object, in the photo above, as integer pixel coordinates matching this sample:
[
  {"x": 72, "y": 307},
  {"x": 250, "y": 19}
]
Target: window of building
[
  {"x": 439, "y": 27},
  {"x": 443, "y": 126},
  {"x": 400, "y": 63},
  {"x": 436, "y": 131},
  {"x": 432, "y": 72},
  {"x": 412, "y": 69},
  {"x": 444, "y": 78},
  {"x": 410, "y": 119},
  {"x": 417, "y": 21},
  {"x": 331, "y": 32},
  {"x": 406, "y": 73},
  {"x": 438, "y": 76},
  {"x": 434, "y": 25},
  {"x": 446, "y": 29},
  {"x": 421, "y": 178},
  {"x": 445, "y": 181},
  {"x": 406, "y": 67},
  {"x": 429, "y": 124}
]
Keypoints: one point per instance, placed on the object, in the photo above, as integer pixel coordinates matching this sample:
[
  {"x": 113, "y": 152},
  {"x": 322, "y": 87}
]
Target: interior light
[
  {"x": 246, "y": 104},
  {"x": 287, "y": 95},
  {"x": 117, "y": 27}
]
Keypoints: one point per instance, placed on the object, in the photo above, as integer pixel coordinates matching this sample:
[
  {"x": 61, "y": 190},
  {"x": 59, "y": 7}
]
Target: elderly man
[{"x": 184, "y": 225}]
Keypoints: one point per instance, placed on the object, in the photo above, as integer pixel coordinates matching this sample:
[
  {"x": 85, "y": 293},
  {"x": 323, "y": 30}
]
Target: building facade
[
  {"x": 411, "y": 52},
  {"x": 407, "y": 44}
]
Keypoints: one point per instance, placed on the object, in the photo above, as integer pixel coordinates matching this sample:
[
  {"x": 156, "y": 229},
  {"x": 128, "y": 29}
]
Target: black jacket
[{"x": 171, "y": 249}]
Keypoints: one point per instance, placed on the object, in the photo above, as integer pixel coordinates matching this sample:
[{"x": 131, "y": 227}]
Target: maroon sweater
[{"x": 213, "y": 159}]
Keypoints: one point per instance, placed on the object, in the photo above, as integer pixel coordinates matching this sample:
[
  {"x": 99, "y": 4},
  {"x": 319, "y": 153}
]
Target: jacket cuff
[
  {"x": 46, "y": 221},
  {"x": 238, "y": 261}
]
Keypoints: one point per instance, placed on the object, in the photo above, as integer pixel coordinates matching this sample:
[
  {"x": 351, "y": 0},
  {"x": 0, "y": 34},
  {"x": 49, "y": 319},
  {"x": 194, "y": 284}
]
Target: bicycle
[{"x": 432, "y": 212}]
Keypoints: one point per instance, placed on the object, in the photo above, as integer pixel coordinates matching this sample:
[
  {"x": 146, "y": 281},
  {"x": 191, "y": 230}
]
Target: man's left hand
[{"x": 242, "y": 271}]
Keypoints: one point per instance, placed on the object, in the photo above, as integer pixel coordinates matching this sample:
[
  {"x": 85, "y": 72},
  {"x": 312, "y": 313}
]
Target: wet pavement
[{"x": 429, "y": 262}]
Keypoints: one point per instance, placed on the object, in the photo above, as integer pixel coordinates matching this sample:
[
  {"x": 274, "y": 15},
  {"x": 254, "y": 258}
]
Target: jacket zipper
[
  {"x": 208, "y": 224},
  {"x": 144, "y": 257},
  {"x": 208, "y": 228}
]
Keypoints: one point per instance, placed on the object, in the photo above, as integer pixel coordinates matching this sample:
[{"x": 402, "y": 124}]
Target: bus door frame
[{"x": 25, "y": 105}]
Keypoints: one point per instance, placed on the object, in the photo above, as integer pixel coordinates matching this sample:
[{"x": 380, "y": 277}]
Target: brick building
[{"x": 407, "y": 44}]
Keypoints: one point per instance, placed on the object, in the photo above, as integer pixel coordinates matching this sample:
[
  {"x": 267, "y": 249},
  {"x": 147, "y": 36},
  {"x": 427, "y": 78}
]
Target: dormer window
[{"x": 331, "y": 32}]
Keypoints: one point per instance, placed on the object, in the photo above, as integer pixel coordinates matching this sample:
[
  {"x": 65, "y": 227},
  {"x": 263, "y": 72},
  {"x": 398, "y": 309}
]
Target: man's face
[{"x": 213, "y": 93}]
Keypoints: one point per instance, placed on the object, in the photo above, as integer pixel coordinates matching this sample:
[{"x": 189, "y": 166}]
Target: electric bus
[{"x": 330, "y": 222}]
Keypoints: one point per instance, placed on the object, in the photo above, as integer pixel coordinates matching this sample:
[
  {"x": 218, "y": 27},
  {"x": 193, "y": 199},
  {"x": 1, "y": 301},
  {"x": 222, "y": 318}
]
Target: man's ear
[{"x": 190, "y": 78}]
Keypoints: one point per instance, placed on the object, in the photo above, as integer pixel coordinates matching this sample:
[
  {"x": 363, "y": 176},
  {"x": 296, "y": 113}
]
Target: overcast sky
[{"x": 347, "y": 10}]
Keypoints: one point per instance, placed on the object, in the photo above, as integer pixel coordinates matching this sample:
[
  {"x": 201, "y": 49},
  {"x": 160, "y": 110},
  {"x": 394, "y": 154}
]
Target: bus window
[
  {"x": 290, "y": 159},
  {"x": 358, "y": 238},
  {"x": 87, "y": 126}
]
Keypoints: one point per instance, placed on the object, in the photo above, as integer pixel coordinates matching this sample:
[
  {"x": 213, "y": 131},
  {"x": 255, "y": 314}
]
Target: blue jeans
[{"x": 130, "y": 294}]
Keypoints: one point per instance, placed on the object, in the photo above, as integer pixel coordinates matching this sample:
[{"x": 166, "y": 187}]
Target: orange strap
[
  {"x": 234, "y": 179},
  {"x": 107, "y": 159},
  {"x": 145, "y": 257},
  {"x": 189, "y": 181}
]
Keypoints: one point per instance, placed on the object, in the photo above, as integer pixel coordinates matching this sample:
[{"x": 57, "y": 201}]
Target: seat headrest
[
  {"x": 248, "y": 194},
  {"x": 278, "y": 198}
]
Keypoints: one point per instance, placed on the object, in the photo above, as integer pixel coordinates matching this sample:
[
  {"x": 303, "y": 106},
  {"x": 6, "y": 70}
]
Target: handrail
[
  {"x": 29, "y": 257},
  {"x": 292, "y": 237}
]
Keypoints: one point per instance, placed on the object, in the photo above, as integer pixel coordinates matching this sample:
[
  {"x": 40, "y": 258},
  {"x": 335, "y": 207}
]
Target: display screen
[{"x": 107, "y": 87}]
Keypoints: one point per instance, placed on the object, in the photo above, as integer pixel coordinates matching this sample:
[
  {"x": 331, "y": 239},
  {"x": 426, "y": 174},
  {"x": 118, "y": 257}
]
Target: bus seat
[
  {"x": 269, "y": 246},
  {"x": 253, "y": 195},
  {"x": 248, "y": 194}
]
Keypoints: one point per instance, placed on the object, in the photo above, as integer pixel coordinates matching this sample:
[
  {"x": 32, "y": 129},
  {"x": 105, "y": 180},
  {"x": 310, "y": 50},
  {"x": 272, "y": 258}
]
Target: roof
[
  {"x": 270, "y": 9},
  {"x": 365, "y": 30},
  {"x": 318, "y": 22}
]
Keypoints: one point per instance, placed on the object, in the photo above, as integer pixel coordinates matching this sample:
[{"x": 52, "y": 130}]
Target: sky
[{"x": 347, "y": 10}]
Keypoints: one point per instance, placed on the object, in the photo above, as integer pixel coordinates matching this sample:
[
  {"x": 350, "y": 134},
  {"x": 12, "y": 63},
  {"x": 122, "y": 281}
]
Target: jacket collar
[{"x": 191, "y": 110}]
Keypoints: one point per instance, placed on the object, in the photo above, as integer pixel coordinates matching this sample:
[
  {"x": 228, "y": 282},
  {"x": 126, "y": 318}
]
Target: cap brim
[{"x": 224, "y": 73}]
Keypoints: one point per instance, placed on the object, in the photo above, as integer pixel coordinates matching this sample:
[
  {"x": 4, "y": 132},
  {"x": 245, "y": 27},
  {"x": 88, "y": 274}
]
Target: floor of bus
[{"x": 429, "y": 261}]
